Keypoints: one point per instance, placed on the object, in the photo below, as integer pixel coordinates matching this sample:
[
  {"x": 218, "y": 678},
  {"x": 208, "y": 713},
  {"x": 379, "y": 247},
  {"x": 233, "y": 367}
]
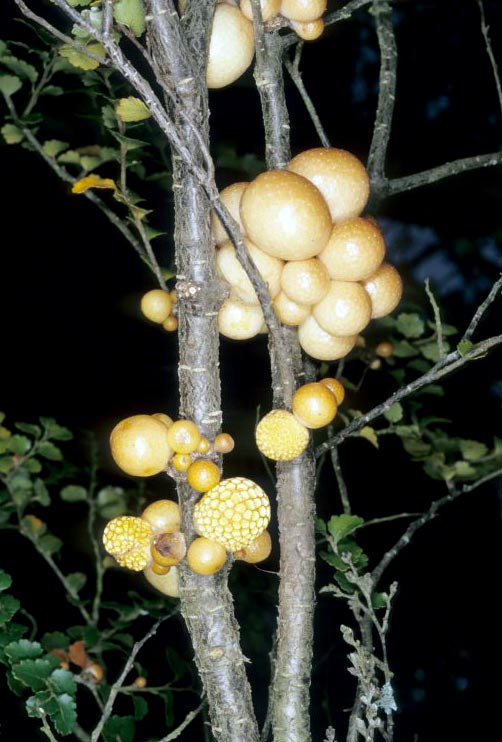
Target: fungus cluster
[
  {"x": 158, "y": 306},
  {"x": 282, "y": 435},
  {"x": 232, "y": 44},
  {"x": 323, "y": 262}
]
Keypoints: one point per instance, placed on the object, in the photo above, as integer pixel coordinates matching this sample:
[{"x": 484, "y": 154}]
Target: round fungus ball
[
  {"x": 314, "y": 405},
  {"x": 128, "y": 540},
  {"x": 257, "y": 550},
  {"x": 231, "y": 198},
  {"x": 345, "y": 310},
  {"x": 233, "y": 513},
  {"x": 203, "y": 475},
  {"x": 269, "y": 9},
  {"x": 184, "y": 436},
  {"x": 270, "y": 269},
  {"x": 310, "y": 30},
  {"x": 385, "y": 289},
  {"x": 156, "y": 305},
  {"x": 239, "y": 321},
  {"x": 288, "y": 311},
  {"x": 303, "y": 10},
  {"x": 336, "y": 388},
  {"x": 285, "y": 215},
  {"x": 320, "y": 344},
  {"x": 163, "y": 516},
  {"x": 140, "y": 446},
  {"x": 231, "y": 46},
  {"x": 205, "y": 556},
  {"x": 280, "y": 436},
  {"x": 305, "y": 281},
  {"x": 340, "y": 177},
  {"x": 167, "y": 583},
  {"x": 354, "y": 251}
]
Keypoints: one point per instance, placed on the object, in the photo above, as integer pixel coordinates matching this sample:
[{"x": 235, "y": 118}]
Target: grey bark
[{"x": 206, "y": 602}]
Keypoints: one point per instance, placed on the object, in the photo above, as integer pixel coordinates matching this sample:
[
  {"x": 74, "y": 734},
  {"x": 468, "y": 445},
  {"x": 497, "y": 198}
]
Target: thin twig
[
  {"x": 489, "y": 50},
  {"x": 481, "y": 310},
  {"x": 342, "y": 487},
  {"x": 452, "y": 362},
  {"x": 437, "y": 319},
  {"x": 186, "y": 721},
  {"x": 452, "y": 495},
  {"x": 115, "y": 689},
  {"x": 434, "y": 174},
  {"x": 293, "y": 67},
  {"x": 382, "y": 12}
]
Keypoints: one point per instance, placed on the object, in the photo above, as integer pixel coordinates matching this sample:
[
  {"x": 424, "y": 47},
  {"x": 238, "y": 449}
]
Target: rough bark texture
[
  {"x": 206, "y": 602},
  {"x": 295, "y": 479}
]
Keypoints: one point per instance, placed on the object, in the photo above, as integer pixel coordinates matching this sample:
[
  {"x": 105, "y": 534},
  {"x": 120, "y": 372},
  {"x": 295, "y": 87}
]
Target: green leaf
[
  {"x": 73, "y": 493},
  {"x": 370, "y": 434},
  {"x": 23, "y": 650},
  {"x": 53, "y": 147},
  {"x": 9, "y": 606},
  {"x": 19, "y": 444},
  {"x": 32, "y": 430},
  {"x": 464, "y": 347},
  {"x": 119, "y": 728},
  {"x": 410, "y": 325},
  {"x": 419, "y": 364},
  {"x": 431, "y": 350},
  {"x": 378, "y": 601},
  {"x": 340, "y": 526},
  {"x": 33, "y": 466},
  {"x": 130, "y": 143},
  {"x": 79, "y": 59},
  {"x": 9, "y": 85},
  {"x": 19, "y": 67},
  {"x": 132, "y": 109},
  {"x": 12, "y": 134},
  {"x": 62, "y": 681},
  {"x": 140, "y": 707},
  {"x": 58, "y": 432},
  {"x": 76, "y": 3},
  {"x": 6, "y": 464},
  {"x": 61, "y": 709},
  {"x": 54, "y": 90},
  {"x": 111, "y": 502},
  {"x": 320, "y": 526},
  {"x": 76, "y": 580},
  {"x": 49, "y": 451},
  {"x": 434, "y": 389},
  {"x": 50, "y": 544},
  {"x": 415, "y": 447},
  {"x": 33, "y": 673},
  {"x": 130, "y": 13},
  {"x": 395, "y": 413},
  {"x": 71, "y": 157},
  {"x": 404, "y": 349},
  {"x": 41, "y": 493},
  {"x": 473, "y": 450},
  {"x": 5, "y": 581},
  {"x": 54, "y": 640},
  {"x": 464, "y": 469}
]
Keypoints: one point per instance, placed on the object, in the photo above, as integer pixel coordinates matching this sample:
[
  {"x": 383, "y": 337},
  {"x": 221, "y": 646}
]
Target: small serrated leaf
[
  {"x": 9, "y": 606},
  {"x": 340, "y": 526},
  {"x": 19, "y": 444},
  {"x": 12, "y": 134},
  {"x": 33, "y": 673},
  {"x": 404, "y": 349},
  {"x": 132, "y": 109},
  {"x": 130, "y": 13},
  {"x": 369, "y": 434},
  {"x": 23, "y": 650},
  {"x": 5, "y": 581},
  {"x": 473, "y": 450},
  {"x": 93, "y": 181},
  {"x": 464, "y": 347},
  {"x": 62, "y": 681},
  {"x": 395, "y": 413},
  {"x": 73, "y": 493},
  {"x": 410, "y": 325},
  {"x": 76, "y": 580},
  {"x": 9, "y": 84},
  {"x": 54, "y": 147},
  {"x": 49, "y": 451},
  {"x": 50, "y": 544}
]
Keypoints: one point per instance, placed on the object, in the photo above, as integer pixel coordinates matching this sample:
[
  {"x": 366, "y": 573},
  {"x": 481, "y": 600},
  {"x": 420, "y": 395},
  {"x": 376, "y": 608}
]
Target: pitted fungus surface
[
  {"x": 128, "y": 539},
  {"x": 234, "y": 513},
  {"x": 279, "y": 436}
]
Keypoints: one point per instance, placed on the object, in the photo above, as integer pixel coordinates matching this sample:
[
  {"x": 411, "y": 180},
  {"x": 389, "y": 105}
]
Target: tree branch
[
  {"x": 451, "y": 362},
  {"x": 115, "y": 689},
  {"x": 482, "y": 309},
  {"x": 489, "y": 50},
  {"x": 293, "y": 67},
  {"x": 382, "y": 12},
  {"x": 181, "y": 727}
]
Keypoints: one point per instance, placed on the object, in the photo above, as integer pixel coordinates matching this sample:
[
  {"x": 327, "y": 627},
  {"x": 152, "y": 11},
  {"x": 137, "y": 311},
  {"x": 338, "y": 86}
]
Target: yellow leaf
[
  {"x": 80, "y": 59},
  {"x": 93, "y": 181},
  {"x": 132, "y": 109},
  {"x": 370, "y": 435}
]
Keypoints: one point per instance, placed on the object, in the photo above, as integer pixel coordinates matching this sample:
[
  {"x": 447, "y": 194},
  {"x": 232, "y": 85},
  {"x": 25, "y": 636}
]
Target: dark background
[{"x": 73, "y": 345}]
